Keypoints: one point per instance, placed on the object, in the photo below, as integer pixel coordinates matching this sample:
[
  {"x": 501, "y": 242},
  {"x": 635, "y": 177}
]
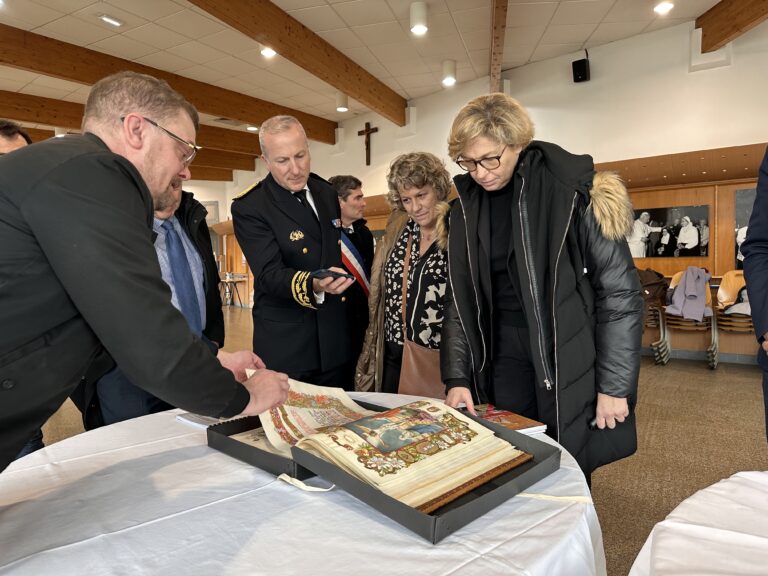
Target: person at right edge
[
  {"x": 545, "y": 315},
  {"x": 755, "y": 252}
]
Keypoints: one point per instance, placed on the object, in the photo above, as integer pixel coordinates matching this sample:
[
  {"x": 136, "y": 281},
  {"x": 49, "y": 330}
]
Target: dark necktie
[
  {"x": 183, "y": 285},
  {"x": 302, "y": 196}
]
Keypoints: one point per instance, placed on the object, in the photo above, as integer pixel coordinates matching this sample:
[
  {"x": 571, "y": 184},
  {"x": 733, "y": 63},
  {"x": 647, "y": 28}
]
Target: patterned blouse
[{"x": 426, "y": 291}]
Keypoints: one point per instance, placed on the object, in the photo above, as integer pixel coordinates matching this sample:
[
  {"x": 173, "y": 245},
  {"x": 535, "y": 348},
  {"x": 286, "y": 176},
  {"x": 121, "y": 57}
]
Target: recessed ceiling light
[
  {"x": 252, "y": 128},
  {"x": 112, "y": 21},
  {"x": 267, "y": 52},
  {"x": 663, "y": 8}
]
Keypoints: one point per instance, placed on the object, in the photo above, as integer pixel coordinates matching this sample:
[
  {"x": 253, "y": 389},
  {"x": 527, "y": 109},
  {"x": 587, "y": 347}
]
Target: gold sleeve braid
[{"x": 299, "y": 289}]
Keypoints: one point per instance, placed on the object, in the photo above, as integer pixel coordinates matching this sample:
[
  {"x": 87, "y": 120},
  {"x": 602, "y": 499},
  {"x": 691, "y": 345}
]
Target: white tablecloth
[
  {"x": 148, "y": 496},
  {"x": 721, "y": 530}
]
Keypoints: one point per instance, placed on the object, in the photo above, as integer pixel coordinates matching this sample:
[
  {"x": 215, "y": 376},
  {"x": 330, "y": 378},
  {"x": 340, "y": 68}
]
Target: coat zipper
[
  {"x": 527, "y": 250},
  {"x": 554, "y": 316},
  {"x": 456, "y": 303}
]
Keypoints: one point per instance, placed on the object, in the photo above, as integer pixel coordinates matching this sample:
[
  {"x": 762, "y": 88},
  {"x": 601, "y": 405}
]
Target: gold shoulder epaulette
[
  {"x": 245, "y": 192},
  {"x": 300, "y": 290}
]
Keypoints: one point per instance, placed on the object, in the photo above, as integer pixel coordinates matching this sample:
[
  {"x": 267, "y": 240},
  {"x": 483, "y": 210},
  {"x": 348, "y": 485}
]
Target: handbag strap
[{"x": 406, "y": 266}]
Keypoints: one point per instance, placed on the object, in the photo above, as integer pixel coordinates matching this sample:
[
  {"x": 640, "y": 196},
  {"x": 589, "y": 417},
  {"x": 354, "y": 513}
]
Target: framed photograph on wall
[
  {"x": 670, "y": 232},
  {"x": 212, "y": 206}
]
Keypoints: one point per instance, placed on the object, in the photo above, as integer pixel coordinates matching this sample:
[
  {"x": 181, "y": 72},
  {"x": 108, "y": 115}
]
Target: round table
[
  {"x": 148, "y": 496},
  {"x": 722, "y": 529}
]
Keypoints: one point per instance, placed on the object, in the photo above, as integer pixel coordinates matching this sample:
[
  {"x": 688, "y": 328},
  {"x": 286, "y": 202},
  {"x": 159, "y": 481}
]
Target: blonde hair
[
  {"x": 276, "y": 125},
  {"x": 119, "y": 94},
  {"x": 497, "y": 117},
  {"x": 416, "y": 170}
]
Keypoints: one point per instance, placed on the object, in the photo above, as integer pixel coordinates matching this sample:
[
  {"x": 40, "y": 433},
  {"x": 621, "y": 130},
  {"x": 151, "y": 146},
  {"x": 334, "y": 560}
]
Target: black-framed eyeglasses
[
  {"x": 489, "y": 163},
  {"x": 193, "y": 148}
]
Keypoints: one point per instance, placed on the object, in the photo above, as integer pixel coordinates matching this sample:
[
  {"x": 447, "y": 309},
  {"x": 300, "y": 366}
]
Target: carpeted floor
[{"x": 696, "y": 426}]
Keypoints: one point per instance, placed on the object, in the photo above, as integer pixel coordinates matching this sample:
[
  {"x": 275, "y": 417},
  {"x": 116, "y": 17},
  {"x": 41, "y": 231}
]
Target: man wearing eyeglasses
[{"x": 78, "y": 271}]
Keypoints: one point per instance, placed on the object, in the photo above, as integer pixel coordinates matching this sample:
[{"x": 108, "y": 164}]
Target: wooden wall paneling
[{"x": 668, "y": 198}]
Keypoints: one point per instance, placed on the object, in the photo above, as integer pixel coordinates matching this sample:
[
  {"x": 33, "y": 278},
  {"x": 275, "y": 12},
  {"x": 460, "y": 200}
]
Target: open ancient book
[{"x": 424, "y": 453}]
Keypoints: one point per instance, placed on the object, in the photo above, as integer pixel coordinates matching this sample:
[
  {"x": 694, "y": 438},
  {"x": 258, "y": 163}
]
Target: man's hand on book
[
  {"x": 238, "y": 362},
  {"x": 268, "y": 389},
  {"x": 460, "y": 395},
  {"x": 610, "y": 410}
]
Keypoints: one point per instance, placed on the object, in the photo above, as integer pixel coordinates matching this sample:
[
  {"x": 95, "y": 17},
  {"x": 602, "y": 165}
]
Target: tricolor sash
[{"x": 353, "y": 262}]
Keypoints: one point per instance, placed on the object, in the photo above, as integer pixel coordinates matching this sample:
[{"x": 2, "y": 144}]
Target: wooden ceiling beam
[
  {"x": 212, "y": 174},
  {"x": 498, "y": 29},
  {"x": 39, "y": 110},
  {"x": 266, "y": 23},
  {"x": 219, "y": 159},
  {"x": 229, "y": 140},
  {"x": 38, "y": 134},
  {"x": 729, "y": 19},
  {"x": 29, "y": 51}
]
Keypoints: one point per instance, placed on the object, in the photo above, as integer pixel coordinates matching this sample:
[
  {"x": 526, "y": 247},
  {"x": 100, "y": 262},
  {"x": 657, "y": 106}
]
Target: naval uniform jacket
[
  {"x": 284, "y": 243},
  {"x": 78, "y": 272},
  {"x": 580, "y": 295}
]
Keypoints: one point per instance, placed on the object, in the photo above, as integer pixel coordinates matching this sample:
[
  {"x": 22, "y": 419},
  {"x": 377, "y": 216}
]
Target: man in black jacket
[
  {"x": 288, "y": 227},
  {"x": 79, "y": 273},
  {"x": 357, "y": 257},
  {"x": 118, "y": 398},
  {"x": 755, "y": 251}
]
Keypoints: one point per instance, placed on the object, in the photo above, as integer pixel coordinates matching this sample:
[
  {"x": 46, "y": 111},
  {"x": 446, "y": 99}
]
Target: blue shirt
[{"x": 195, "y": 263}]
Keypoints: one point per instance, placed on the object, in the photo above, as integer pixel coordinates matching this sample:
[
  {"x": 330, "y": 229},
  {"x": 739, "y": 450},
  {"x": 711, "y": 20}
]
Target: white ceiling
[{"x": 176, "y": 36}]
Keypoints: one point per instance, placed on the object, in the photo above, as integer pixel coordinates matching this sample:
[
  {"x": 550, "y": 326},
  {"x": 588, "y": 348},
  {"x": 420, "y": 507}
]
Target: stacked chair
[
  {"x": 727, "y": 295},
  {"x": 654, "y": 291},
  {"x": 673, "y": 323}
]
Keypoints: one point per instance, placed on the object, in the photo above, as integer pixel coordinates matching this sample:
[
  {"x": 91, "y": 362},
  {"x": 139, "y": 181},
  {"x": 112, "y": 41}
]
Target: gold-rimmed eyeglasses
[
  {"x": 193, "y": 148},
  {"x": 489, "y": 163}
]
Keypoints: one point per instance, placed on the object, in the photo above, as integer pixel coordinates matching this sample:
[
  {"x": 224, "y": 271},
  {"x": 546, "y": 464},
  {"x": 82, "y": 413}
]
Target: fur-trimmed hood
[
  {"x": 605, "y": 192},
  {"x": 611, "y": 206}
]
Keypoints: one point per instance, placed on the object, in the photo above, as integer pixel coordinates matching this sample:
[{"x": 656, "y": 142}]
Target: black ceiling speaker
[{"x": 580, "y": 70}]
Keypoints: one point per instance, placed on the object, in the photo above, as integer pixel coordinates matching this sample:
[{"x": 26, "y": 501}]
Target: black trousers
[
  {"x": 513, "y": 376},
  {"x": 393, "y": 361}
]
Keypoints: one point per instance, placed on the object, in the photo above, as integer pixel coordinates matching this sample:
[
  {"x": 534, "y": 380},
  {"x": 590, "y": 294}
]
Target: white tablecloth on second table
[
  {"x": 148, "y": 496},
  {"x": 721, "y": 530}
]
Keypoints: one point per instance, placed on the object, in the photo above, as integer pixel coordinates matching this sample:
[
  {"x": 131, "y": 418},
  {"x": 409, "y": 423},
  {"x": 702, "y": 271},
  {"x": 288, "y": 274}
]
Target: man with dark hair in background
[
  {"x": 79, "y": 273},
  {"x": 356, "y": 255},
  {"x": 12, "y": 136}
]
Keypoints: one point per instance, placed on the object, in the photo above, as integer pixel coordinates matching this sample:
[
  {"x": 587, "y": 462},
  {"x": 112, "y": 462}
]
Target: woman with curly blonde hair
[{"x": 418, "y": 189}]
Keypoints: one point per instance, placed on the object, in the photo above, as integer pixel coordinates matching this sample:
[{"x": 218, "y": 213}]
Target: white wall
[{"x": 641, "y": 101}]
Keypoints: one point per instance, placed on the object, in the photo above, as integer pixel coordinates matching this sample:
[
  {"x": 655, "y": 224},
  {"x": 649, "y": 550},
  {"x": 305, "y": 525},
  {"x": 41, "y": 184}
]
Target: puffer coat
[{"x": 580, "y": 295}]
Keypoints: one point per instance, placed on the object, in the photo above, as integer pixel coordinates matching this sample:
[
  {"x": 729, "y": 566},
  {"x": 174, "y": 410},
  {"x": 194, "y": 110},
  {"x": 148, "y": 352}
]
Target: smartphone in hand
[{"x": 325, "y": 273}]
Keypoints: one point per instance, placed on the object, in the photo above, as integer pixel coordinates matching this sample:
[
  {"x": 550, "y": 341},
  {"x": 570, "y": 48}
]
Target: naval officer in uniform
[{"x": 288, "y": 226}]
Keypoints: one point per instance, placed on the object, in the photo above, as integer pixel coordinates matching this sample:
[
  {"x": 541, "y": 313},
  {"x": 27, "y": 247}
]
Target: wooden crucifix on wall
[{"x": 367, "y": 133}]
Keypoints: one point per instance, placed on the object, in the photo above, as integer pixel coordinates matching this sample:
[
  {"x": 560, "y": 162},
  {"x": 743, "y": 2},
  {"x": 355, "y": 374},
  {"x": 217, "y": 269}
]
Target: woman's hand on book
[
  {"x": 267, "y": 389},
  {"x": 460, "y": 395}
]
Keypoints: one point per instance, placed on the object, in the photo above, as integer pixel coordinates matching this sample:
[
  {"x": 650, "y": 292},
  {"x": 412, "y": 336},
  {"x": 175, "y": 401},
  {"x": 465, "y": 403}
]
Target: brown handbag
[{"x": 420, "y": 368}]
